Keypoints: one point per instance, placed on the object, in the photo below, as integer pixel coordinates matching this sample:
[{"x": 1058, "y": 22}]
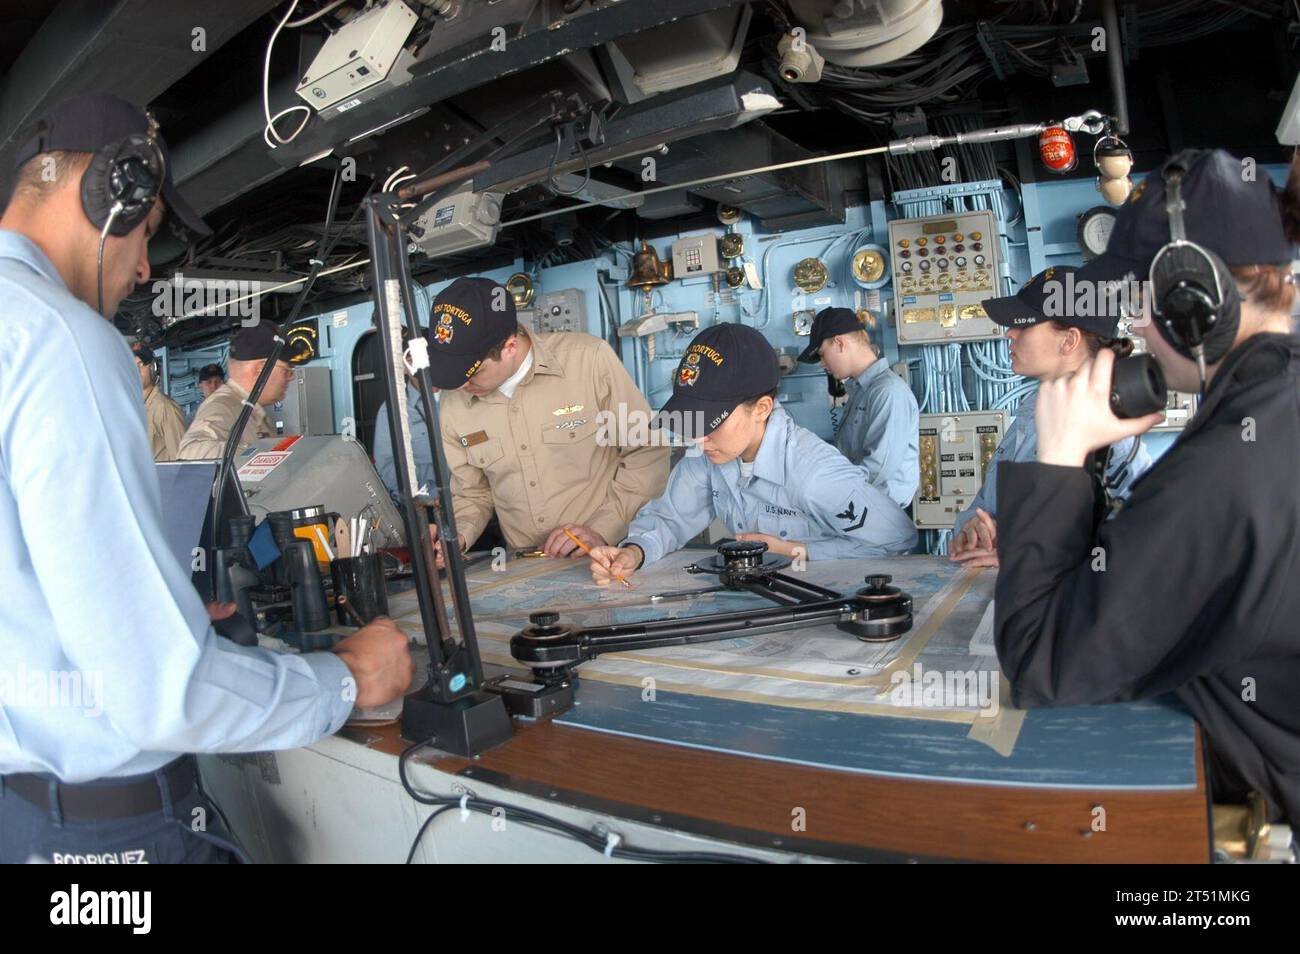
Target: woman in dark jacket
[{"x": 1194, "y": 586}]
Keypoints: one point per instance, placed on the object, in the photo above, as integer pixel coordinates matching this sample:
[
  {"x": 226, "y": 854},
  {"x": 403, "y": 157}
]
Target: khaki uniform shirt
[
  {"x": 166, "y": 424},
  {"x": 207, "y": 436},
  {"x": 548, "y": 456}
]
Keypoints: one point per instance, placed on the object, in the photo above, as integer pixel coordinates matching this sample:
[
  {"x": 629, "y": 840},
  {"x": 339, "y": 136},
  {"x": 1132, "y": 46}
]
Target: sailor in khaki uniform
[
  {"x": 529, "y": 426},
  {"x": 249, "y": 349},
  {"x": 164, "y": 419}
]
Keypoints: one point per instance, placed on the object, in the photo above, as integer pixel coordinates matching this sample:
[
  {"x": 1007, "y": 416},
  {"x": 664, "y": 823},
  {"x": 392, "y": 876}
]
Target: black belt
[{"x": 102, "y": 801}]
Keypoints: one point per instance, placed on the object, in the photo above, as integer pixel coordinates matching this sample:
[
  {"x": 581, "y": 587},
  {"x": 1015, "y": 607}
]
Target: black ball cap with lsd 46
[
  {"x": 828, "y": 323},
  {"x": 91, "y": 121},
  {"x": 143, "y": 352},
  {"x": 1054, "y": 295},
  {"x": 469, "y": 318},
  {"x": 724, "y": 366},
  {"x": 1137, "y": 383}
]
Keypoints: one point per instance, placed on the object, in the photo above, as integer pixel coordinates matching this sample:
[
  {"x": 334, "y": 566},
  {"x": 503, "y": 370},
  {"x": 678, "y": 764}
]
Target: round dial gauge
[
  {"x": 868, "y": 266},
  {"x": 810, "y": 275},
  {"x": 1095, "y": 227},
  {"x": 803, "y": 322}
]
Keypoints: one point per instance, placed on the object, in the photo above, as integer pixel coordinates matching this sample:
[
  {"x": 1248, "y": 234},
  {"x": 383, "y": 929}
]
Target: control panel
[
  {"x": 943, "y": 267},
  {"x": 564, "y": 310},
  {"x": 955, "y": 450}
]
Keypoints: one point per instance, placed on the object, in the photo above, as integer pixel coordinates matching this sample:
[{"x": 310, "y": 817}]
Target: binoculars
[{"x": 1137, "y": 387}]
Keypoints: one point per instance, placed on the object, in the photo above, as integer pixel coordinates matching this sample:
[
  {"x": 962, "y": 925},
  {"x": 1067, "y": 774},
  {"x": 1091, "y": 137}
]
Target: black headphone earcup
[
  {"x": 95, "y": 190},
  {"x": 1224, "y": 333},
  {"x": 1189, "y": 308},
  {"x": 129, "y": 171}
]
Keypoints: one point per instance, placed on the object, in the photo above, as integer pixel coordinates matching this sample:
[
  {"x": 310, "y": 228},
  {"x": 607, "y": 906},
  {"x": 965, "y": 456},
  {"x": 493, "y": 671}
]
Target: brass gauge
[
  {"x": 803, "y": 322},
  {"x": 810, "y": 275},
  {"x": 728, "y": 214},
  {"x": 735, "y": 276},
  {"x": 301, "y": 342},
  {"x": 731, "y": 245},
  {"x": 521, "y": 289},
  {"x": 868, "y": 266}
]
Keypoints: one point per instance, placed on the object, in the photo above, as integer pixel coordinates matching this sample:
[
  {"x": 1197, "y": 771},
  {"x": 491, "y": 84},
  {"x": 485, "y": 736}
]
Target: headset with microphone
[
  {"x": 120, "y": 187},
  {"x": 154, "y": 365},
  {"x": 1195, "y": 301}
]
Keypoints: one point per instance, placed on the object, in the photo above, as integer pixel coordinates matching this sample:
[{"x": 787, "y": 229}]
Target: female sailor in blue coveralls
[{"x": 761, "y": 474}]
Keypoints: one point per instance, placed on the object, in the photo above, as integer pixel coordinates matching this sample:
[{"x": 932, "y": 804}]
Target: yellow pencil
[{"x": 587, "y": 550}]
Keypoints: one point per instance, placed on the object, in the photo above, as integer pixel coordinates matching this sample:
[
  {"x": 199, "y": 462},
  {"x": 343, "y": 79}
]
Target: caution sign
[{"x": 259, "y": 465}]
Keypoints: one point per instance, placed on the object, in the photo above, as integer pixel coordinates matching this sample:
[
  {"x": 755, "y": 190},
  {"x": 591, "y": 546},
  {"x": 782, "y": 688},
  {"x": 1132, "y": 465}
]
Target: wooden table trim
[{"x": 848, "y": 814}]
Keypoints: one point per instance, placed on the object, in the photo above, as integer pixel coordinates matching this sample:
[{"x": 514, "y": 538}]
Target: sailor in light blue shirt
[
  {"x": 1051, "y": 335},
  {"x": 90, "y": 585},
  {"x": 109, "y": 664},
  {"x": 880, "y": 430},
  {"x": 880, "y": 426},
  {"x": 761, "y": 474}
]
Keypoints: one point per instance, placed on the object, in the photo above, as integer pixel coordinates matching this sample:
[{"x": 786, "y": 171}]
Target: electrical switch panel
[{"x": 955, "y": 450}]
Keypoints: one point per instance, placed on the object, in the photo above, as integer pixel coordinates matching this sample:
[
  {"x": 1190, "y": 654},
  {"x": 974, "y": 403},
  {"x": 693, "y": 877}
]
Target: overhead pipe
[{"x": 1115, "y": 65}]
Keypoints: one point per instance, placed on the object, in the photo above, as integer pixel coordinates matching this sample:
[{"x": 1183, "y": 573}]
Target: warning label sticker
[{"x": 259, "y": 465}]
